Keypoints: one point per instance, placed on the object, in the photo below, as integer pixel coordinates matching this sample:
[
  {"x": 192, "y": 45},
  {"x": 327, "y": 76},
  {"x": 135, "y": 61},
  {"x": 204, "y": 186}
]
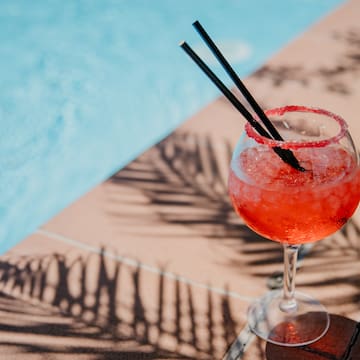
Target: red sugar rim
[{"x": 251, "y": 132}]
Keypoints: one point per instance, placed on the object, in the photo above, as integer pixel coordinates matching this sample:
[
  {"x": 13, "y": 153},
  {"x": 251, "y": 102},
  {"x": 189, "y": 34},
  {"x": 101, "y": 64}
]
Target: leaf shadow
[
  {"x": 91, "y": 304},
  {"x": 334, "y": 78},
  {"x": 184, "y": 180}
]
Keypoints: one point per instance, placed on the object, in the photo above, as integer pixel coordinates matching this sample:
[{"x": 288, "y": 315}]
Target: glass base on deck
[{"x": 304, "y": 323}]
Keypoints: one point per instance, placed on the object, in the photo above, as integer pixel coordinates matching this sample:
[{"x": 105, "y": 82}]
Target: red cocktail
[{"x": 294, "y": 207}]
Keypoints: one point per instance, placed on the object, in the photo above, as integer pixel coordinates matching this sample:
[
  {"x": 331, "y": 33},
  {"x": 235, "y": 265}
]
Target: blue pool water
[{"x": 86, "y": 86}]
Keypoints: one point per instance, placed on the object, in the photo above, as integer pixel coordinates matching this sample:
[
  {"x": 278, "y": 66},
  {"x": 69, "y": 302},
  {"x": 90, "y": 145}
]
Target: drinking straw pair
[{"x": 271, "y": 132}]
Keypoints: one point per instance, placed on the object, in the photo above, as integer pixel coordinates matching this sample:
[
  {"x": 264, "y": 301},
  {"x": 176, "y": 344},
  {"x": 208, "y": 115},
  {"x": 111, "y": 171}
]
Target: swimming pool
[{"x": 88, "y": 85}]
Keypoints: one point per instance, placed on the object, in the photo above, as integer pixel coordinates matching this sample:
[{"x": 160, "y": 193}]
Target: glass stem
[{"x": 288, "y": 303}]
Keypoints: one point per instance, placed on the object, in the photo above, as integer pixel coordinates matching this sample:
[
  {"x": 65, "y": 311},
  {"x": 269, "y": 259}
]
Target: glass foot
[{"x": 304, "y": 324}]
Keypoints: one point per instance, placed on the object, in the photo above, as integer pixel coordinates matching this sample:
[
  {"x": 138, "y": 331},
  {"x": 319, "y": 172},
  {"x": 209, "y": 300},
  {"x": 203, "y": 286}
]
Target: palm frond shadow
[
  {"x": 333, "y": 78},
  {"x": 93, "y": 305},
  {"x": 184, "y": 179}
]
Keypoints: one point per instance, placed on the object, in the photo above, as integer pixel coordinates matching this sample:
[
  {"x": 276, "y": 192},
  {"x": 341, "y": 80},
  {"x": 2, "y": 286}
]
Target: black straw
[
  {"x": 250, "y": 99},
  {"x": 210, "y": 43},
  {"x": 227, "y": 93},
  {"x": 286, "y": 155}
]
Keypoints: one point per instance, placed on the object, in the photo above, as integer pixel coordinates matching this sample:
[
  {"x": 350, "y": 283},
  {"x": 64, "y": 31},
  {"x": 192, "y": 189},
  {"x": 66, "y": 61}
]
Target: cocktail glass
[{"x": 294, "y": 207}]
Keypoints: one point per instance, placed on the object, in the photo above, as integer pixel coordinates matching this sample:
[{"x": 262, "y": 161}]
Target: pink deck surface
[{"x": 154, "y": 264}]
